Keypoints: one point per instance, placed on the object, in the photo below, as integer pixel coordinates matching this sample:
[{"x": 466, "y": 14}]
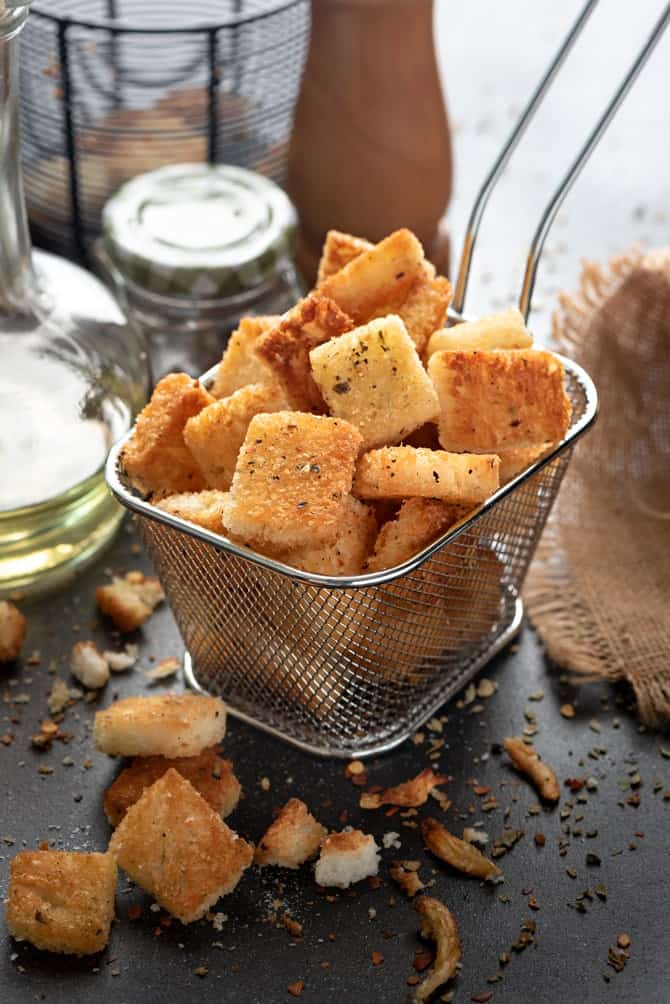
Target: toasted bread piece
[
  {"x": 175, "y": 847},
  {"x": 62, "y": 901},
  {"x": 410, "y": 793},
  {"x": 156, "y": 458},
  {"x": 346, "y": 858},
  {"x": 338, "y": 250},
  {"x": 293, "y": 474},
  {"x": 286, "y": 347},
  {"x": 499, "y": 400},
  {"x": 373, "y": 377},
  {"x": 130, "y": 600},
  {"x": 215, "y": 436},
  {"x": 504, "y": 330},
  {"x": 346, "y": 554},
  {"x": 202, "y": 508},
  {"x": 513, "y": 462},
  {"x": 12, "y": 631},
  {"x": 404, "y": 471},
  {"x": 418, "y": 523},
  {"x": 293, "y": 838},
  {"x": 209, "y": 774},
  {"x": 170, "y": 725},
  {"x": 425, "y": 308},
  {"x": 240, "y": 365}
]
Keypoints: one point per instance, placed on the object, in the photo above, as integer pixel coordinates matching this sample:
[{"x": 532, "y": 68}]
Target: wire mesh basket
[{"x": 113, "y": 88}]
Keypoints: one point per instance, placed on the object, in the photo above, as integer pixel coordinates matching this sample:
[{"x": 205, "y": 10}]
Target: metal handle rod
[
  {"x": 491, "y": 180},
  {"x": 573, "y": 173}
]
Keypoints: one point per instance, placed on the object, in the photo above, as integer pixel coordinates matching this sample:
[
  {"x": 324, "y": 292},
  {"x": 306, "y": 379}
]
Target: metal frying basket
[{"x": 352, "y": 666}]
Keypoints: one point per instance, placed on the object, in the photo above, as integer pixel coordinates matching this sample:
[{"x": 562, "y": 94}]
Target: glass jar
[{"x": 191, "y": 249}]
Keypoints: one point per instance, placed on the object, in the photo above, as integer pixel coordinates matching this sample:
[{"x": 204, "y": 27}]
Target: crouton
[
  {"x": 499, "y": 400},
  {"x": 292, "y": 477},
  {"x": 338, "y": 250},
  {"x": 408, "y": 794},
  {"x": 346, "y": 554},
  {"x": 130, "y": 601},
  {"x": 202, "y": 508},
  {"x": 170, "y": 725},
  {"x": 12, "y": 631},
  {"x": 286, "y": 347},
  {"x": 418, "y": 523},
  {"x": 89, "y": 665},
  {"x": 176, "y": 848},
  {"x": 155, "y": 458},
  {"x": 513, "y": 462},
  {"x": 215, "y": 435},
  {"x": 504, "y": 330},
  {"x": 62, "y": 901},
  {"x": 425, "y": 308},
  {"x": 373, "y": 377},
  {"x": 209, "y": 774},
  {"x": 402, "y": 471},
  {"x": 293, "y": 838},
  {"x": 240, "y": 365},
  {"x": 346, "y": 858}
]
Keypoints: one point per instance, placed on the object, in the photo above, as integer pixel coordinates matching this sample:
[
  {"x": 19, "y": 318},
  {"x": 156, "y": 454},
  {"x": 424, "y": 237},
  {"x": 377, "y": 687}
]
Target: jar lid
[{"x": 198, "y": 231}]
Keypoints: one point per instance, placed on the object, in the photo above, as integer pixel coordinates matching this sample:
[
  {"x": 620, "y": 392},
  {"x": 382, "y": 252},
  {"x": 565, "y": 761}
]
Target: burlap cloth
[{"x": 599, "y": 589}]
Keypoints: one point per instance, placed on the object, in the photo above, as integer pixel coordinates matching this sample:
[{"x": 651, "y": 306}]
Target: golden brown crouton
[
  {"x": 346, "y": 858},
  {"x": 373, "y": 377},
  {"x": 155, "y": 458},
  {"x": 513, "y": 462},
  {"x": 286, "y": 347},
  {"x": 403, "y": 471},
  {"x": 499, "y": 400},
  {"x": 175, "y": 847},
  {"x": 346, "y": 554},
  {"x": 215, "y": 435},
  {"x": 170, "y": 725},
  {"x": 202, "y": 508},
  {"x": 338, "y": 250},
  {"x": 61, "y": 901},
  {"x": 418, "y": 523},
  {"x": 130, "y": 601},
  {"x": 293, "y": 474},
  {"x": 211, "y": 776},
  {"x": 240, "y": 365},
  {"x": 293, "y": 838},
  {"x": 425, "y": 308},
  {"x": 504, "y": 330},
  {"x": 12, "y": 631}
]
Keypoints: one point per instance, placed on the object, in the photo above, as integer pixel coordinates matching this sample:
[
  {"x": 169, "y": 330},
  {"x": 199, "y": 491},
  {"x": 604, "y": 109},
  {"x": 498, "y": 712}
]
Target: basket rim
[{"x": 135, "y": 503}]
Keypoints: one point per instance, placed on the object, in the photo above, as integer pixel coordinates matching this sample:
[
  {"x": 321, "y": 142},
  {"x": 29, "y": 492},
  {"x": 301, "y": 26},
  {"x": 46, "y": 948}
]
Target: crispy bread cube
[
  {"x": 499, "y": 400},
  {"x": 504, "y": 330},
  {"x": 338, "y": 250},
  {"x": 346, "y": 554},
  {"x": 292, "y": 476},
  {"x": 175, "y": 847},
  {"x": 170, "y": 725},
  {"x": 404, "y": 471},
  {"x": 240, "y": 365},
  {"x": 293, "y": 838},
  {"x": 425, "y": 308},
  {"x": 209, "y": 774},
  {"x": 513, "y": 462},
  {"x": 418, "y": 523},
  {"x": 130, "y": 601},
  {"x": 202, "y": 508},
  {"x": 61, "y": 901},
  {"x": 156, "y": 458},
  {"x": 12, "y": 631},
  {"x": 286, "y": 347},
  {"x": 215, "y": 436},
  {"x": 346, "y": 858},
  {"x": 373, "y": 378}
]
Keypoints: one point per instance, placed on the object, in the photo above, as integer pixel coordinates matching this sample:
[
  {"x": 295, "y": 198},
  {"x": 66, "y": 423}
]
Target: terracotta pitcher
[{"x": 370, "y": 149}]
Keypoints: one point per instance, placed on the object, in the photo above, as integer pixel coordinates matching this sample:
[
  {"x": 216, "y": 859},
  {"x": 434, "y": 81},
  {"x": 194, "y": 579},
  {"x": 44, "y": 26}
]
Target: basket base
[{"x": 375, "y": 749}]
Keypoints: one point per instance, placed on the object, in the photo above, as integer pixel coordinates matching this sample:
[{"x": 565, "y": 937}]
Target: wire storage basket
[{"x": 113, "y": 88}]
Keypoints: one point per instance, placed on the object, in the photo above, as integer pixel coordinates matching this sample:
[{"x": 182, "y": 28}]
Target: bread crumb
[{"x": 89, "y": 665}]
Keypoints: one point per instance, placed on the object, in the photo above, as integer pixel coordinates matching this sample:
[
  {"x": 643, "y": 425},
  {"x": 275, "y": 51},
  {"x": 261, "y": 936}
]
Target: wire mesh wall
[{"x": 113, "y": 88}]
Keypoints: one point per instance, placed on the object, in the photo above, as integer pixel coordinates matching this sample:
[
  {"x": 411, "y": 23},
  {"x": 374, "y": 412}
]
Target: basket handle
[{"x": 571, "y": 175}]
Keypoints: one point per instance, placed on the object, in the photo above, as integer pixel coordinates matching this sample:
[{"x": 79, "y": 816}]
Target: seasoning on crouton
[
  {"x": 293, "y": 838},
  {"x": 202, "y": 508},
  {"x": 240, "y": 365},
  {"x": 425, "y": 308},
  {"x": 346, "y": 858},
  {"x": 62, "y": 901},
  {"x": 131, "y": 600},
  {"x": 168, "y": 725},
  {"x": 338, "y": 250},
  {"x": 155, "y": 458},
  {"x": 215, "y": 435},
  {"x": 403, "y": 471},
  {"x": 286, "y": 347},
  {"x": 417, "y": 524},
  {"x": 373, "y": 377},
  {"x": 408, "y": 794},
  {"x": 209, "y": 774},
  {"x": 12, "y": 631},
  {"x": 499, "y": 400},
  {"x": 293, "y": 474},
  {"x": 175, "y": 847},
  {"x": 513, "y": 462},
  {"x": 346, "y": 554},
  {"x": 89, "y": 665},
  {"x": 504, "y": 330}
]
